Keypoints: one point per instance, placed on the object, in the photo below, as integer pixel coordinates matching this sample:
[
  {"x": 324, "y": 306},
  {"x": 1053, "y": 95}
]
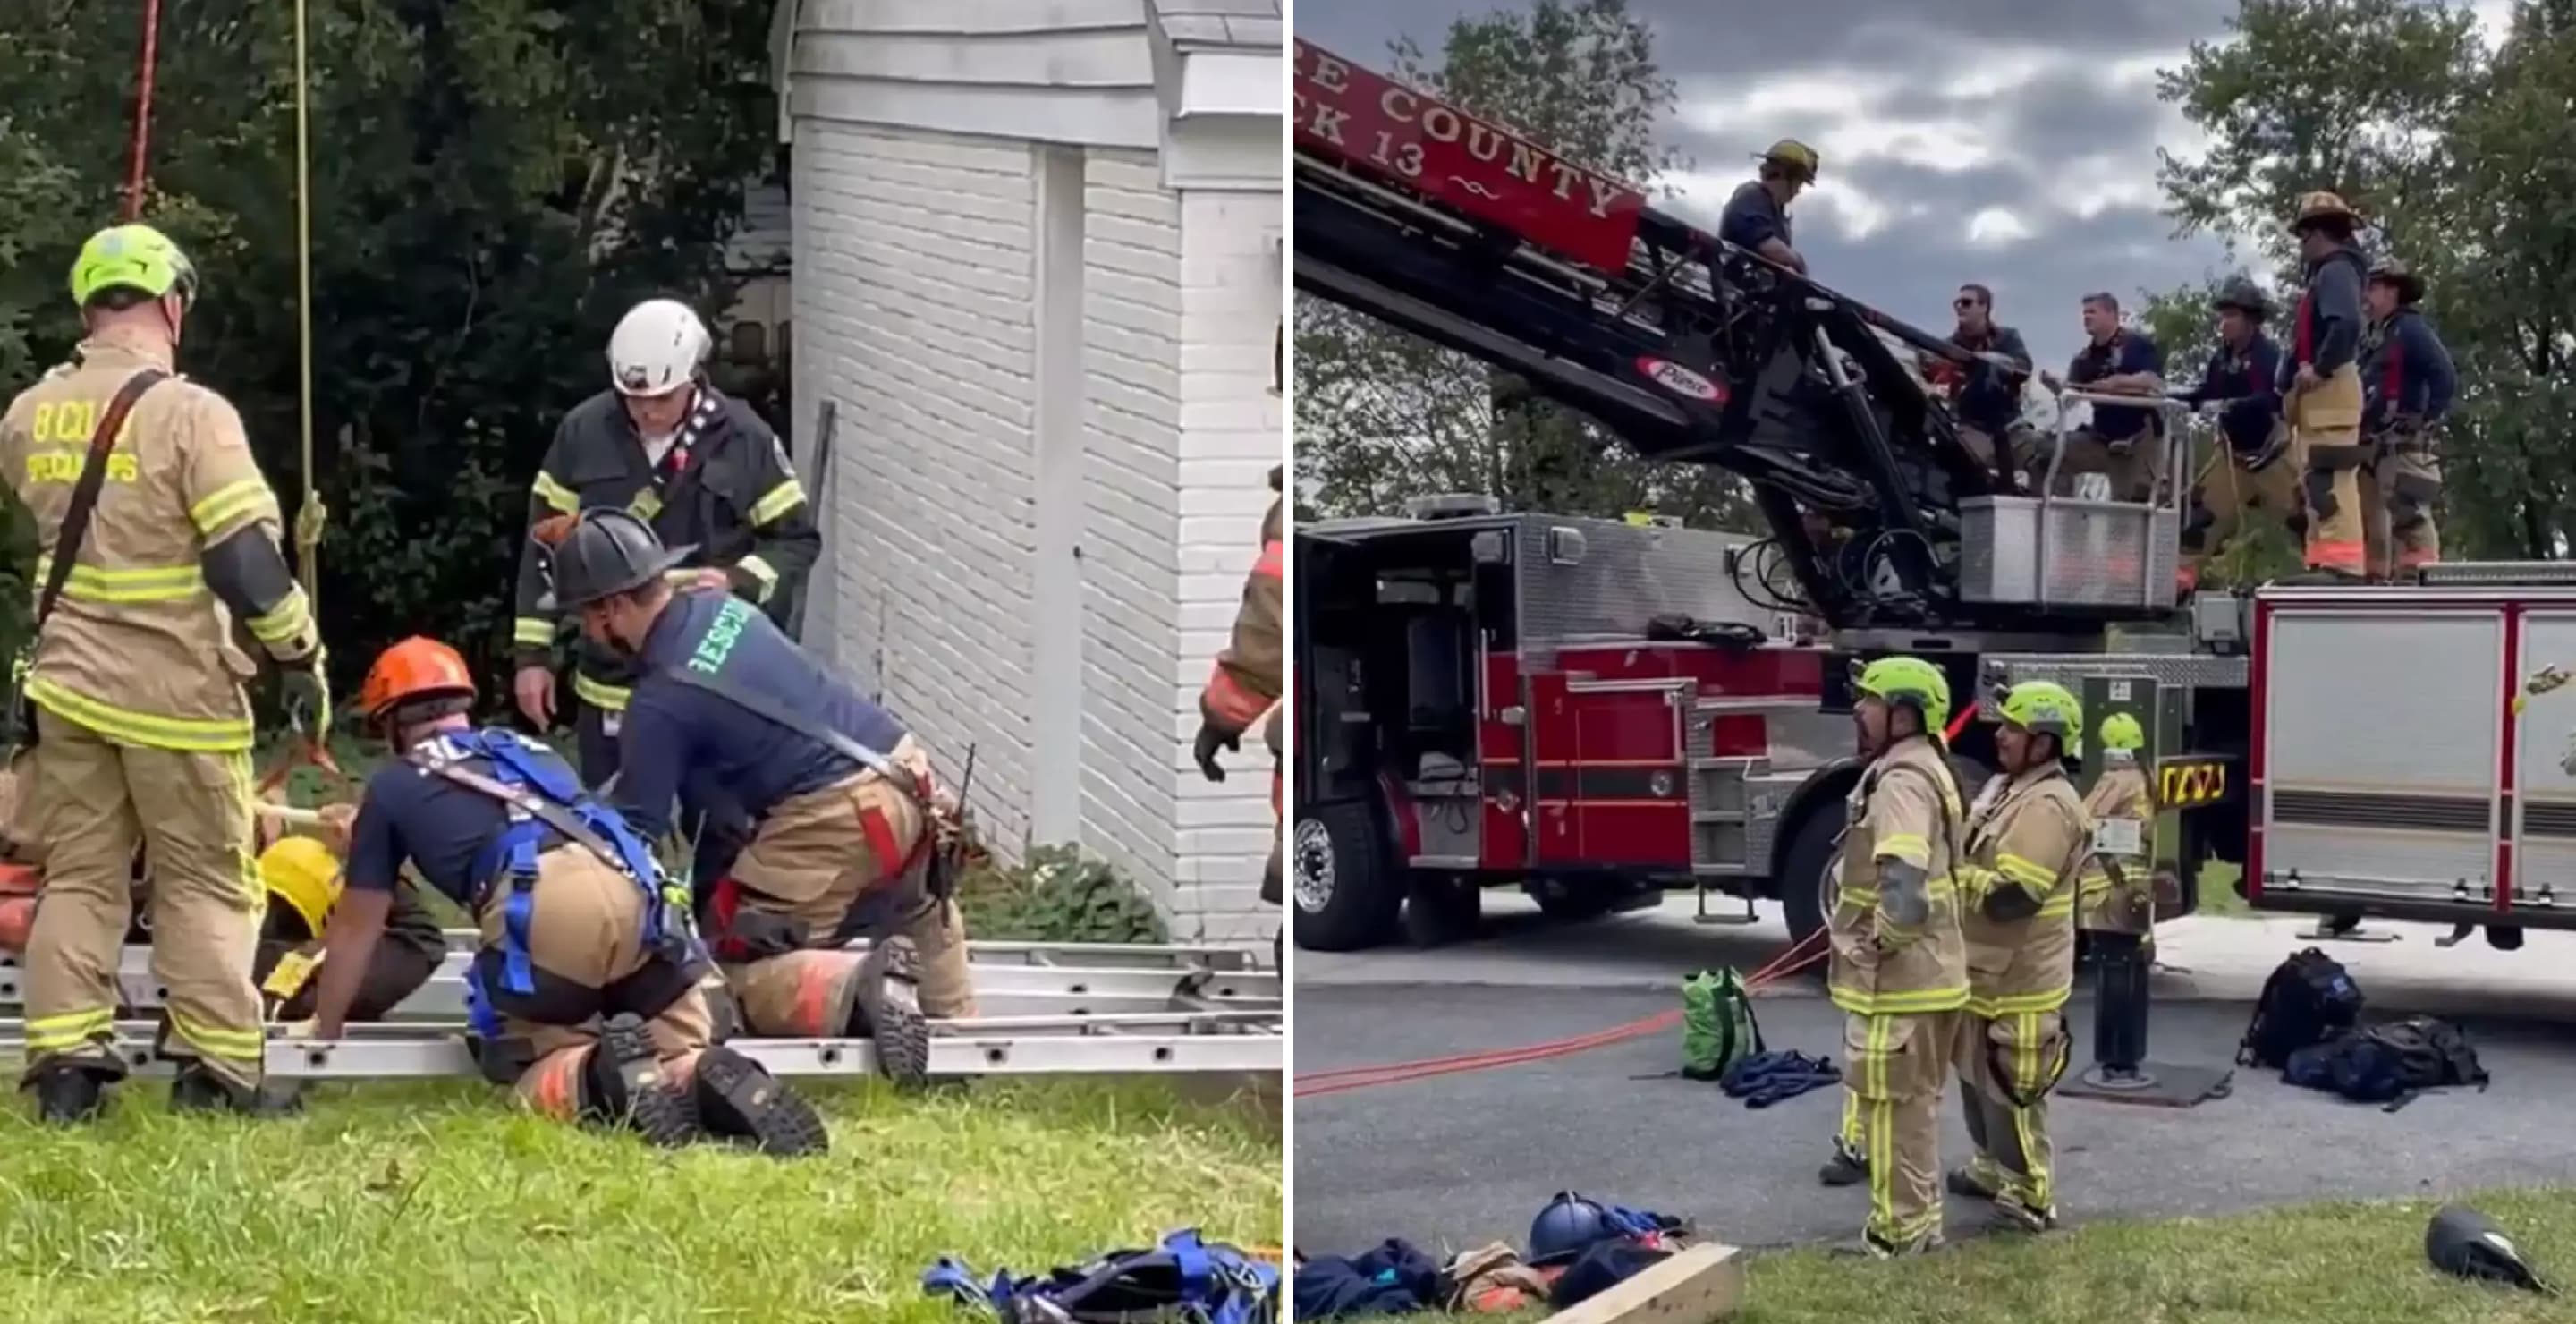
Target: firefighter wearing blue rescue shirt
[
  {"x": 699, "y": 466},
  {"x": 585, "y": 990},
  {"x": 2407, "y": 383},
  {"x": 1757, "y": 216},
  {"x": 2251, "y": 474},
  {"x": 842, "y": 806}
]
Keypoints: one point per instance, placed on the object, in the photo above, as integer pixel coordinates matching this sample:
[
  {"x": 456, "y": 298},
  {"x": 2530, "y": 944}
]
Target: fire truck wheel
[
  {"x": 1802, "y": 880},
  {"x": 1346, "y": 893},
  {"x": 1560, "y": 900}
]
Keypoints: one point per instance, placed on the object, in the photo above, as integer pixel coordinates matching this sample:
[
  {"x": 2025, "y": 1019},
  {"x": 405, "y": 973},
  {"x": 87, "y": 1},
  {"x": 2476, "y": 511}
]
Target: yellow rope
[{"x": 309, "y": 517}]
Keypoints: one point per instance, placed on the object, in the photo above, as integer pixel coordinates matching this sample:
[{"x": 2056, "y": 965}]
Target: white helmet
[{"x": 656, "y": 348}]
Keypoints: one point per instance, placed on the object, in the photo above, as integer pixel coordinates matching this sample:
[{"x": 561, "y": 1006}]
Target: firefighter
[
  {"x": 699, "y": 466},
  {"x": 2321, "y": 388},
  {"x": 584, "y": 992},
  {"x": 2024, "y": 841},
  {"x": 1243, "y": 684},
  {"x": 843, "y": 807},
  {"x": 2125, "y": 442},
  {"x": 302, "y": 878},
  {"x": 143, "y": 730},
  {"x": 1985, "y": 399},
  {"x": 2246, "y": 472},
  {"x": 1757, "y": 215},
  {"x": 1899, "y": 968},
  {"x": 2407, "y": 383},
  {"x": 2116, "y": 900}
]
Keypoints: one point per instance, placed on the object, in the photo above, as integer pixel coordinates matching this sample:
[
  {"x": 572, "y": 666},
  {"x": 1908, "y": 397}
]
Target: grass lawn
[
  {"x": 441, "y": 1202},
  {"x": 2315, "y": 1264}
]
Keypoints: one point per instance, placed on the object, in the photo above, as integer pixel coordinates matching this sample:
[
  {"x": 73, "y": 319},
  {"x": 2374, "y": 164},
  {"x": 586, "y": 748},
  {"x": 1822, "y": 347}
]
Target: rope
[
  {"x": 1800, "y": 955},
  {"x": 141, "y": 153},
  {"x": 310, "y": 516}
]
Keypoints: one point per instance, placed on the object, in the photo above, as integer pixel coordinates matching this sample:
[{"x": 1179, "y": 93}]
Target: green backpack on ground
[{"x": 1718, "y": 1027}]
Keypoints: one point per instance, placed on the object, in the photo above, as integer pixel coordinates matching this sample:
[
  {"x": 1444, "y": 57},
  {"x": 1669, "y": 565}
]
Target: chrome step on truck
[{"x": 1076, "y": 1008}]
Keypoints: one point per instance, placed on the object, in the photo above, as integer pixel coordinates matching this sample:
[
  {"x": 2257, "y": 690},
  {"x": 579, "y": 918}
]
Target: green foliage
[
  {"x": 1057, "y": 896},
  {"x": 2463, "y": 158},
  {"x": 493, "y": 182},
  {"x": 1383, "y": 416}
]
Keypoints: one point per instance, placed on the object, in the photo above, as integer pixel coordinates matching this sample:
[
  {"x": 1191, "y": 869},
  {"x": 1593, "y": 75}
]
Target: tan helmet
[
  {"x": 1800, "y": 159},
  {"x": 2323, "y": 206}
]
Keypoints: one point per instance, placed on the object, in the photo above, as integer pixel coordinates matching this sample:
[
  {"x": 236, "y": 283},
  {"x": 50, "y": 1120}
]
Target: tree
[
  {"x": 493, "y": 182},
  {"x": 1382, "y": 416}
]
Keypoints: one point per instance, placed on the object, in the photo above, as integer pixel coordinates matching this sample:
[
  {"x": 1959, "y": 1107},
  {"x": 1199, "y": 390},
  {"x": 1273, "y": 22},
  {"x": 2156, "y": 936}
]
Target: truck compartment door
[{"x": 2544, "y": 793}]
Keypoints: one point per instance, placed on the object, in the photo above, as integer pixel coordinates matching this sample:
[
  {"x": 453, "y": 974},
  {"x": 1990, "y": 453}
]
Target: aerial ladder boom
[{"x": 1455, "y": 229}]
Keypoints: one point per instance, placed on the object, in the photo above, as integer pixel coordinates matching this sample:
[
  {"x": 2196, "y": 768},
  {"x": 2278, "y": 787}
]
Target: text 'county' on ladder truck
[{"x": 2389, "y": 750}]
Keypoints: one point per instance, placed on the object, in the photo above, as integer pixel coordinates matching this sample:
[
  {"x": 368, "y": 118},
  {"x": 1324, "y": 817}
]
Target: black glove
[
  {"x": 1211, "y": 739},
  {"x": 307, "y": 691}
]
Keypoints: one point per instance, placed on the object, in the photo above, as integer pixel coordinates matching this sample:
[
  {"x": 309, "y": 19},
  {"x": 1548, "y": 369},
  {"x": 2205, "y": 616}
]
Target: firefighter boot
[
  {"x": 623, "y": 1084},
  {"x": 889, "y": 1010},
  {"x": 69, "y": 1093},
  {"x": 198, "y": 1089},
  {"x": 738, "y": 1099},
  {"x": 1844, "y": 1167}
]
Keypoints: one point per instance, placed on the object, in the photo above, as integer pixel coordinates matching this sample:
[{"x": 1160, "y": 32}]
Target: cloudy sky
[{"x": 2010, "y": 142}]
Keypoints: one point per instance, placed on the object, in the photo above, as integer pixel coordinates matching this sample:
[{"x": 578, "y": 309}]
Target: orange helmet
[{"x": 416, "y": 668}]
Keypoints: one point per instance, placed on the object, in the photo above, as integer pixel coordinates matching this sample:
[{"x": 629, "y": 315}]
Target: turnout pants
[
  {"x": 2228, "y": 497},
  {"x": 810, "y": 863},
  {"x": 2398, "y": 490},
  {"x": 190, "y": 812},
  {"x": 586, "y": 944},
  {"x": 2326, "y": 419},
  {"x": 2007, "y": 1065},
  {"x": 1898, "y": 1065},
  {"x": 2136, "y": 466}
]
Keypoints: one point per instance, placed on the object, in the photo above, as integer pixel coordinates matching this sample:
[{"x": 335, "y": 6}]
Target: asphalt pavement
[{"x": 1455, "y": 1161}]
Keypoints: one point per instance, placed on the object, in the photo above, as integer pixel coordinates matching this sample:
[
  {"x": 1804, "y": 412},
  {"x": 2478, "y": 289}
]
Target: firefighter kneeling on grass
[
  {"x": 2026, "y": 836},
  {"x": 584, "y": 993},
  {"x": 1899, "y": 970},
  {"x": 845, "y": 816}
]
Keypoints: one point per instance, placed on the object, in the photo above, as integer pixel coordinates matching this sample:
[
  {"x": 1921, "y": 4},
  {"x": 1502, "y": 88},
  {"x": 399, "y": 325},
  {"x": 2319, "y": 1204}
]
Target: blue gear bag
[{"x": 1185, "y": 1280}]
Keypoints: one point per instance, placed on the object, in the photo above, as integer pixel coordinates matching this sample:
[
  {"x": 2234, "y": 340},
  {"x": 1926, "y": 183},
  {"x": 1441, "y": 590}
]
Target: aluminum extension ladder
[{"x": 1047, "y": 1008}]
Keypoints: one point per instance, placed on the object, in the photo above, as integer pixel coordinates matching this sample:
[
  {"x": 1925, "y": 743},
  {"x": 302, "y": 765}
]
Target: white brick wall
[
  {"x": 913, "y": 274},
  {"x": 1230, "y": 437}
]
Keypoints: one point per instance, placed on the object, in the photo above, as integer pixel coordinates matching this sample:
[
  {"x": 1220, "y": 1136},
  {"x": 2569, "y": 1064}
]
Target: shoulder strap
[
  {"x": 93, "y": 476},
  {"x": 534, "y": 806},
  {"x": 761, "y": 705}
]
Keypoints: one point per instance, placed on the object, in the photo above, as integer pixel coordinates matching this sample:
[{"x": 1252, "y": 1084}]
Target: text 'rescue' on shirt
[{"x": 678, "y": 737}]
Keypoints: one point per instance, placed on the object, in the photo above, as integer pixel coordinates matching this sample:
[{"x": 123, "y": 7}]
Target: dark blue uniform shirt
[
  {"x": 2405, "y": 370},
  {"x": 680, "y": 741},
  {"x": 2250, "y": 378},
  {"x": 418, "y": 817},
  {"x": 2126, "y": 352},
  {"x": 1752, "y": 217},
  {"x": 1988, "y": 401}
]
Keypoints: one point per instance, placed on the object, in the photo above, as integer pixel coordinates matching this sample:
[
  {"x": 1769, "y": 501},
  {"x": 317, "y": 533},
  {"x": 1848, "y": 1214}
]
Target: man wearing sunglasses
[{"x": 1986, "y": 403}]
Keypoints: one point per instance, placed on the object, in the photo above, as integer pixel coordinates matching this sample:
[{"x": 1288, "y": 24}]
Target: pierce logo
[{"x": 1679, "y": 380}]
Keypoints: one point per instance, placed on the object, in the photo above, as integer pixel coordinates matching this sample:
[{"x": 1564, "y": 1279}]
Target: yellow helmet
[
  {"x": 2045, "y": 707},
  {"x": 1910, "y": 680},
  {"x": 301, "y": 872},
  {"x": 2121, "y": 732},
  {"x": 1796, "y": 157}
]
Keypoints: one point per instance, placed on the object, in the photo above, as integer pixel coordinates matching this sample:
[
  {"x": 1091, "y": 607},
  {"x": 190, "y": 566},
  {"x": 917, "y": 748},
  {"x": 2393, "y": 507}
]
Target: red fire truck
[{"x": 1491, "y": 698}]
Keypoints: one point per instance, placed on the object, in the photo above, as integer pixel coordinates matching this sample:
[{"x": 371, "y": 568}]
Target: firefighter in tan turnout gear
[
  {"x": 1244, "y": 683},
  {"x": 158, "y": 534},
  {"x": 2116, "y": 898},
  {"x": 2026, "y": 837},
  {"x": 1899, "y": 969}
]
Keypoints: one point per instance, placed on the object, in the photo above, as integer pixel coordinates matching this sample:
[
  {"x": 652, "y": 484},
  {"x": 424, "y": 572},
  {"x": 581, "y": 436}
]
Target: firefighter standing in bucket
[
  {"x": 1899, "y": 968},
  {"x": 2251, "y": 473},
  {"x": 846, "y": 818},
  {"x": 584, "y": 993},
  {"x": 2321, "y": 388},
  {"x": 2025, "y": 839},
  {"x": 2407, "y": 383},
  {"x": 697, "y": 465},
  {"x": 1244, "y": 682},
  {"x": 143, "y": 730}
]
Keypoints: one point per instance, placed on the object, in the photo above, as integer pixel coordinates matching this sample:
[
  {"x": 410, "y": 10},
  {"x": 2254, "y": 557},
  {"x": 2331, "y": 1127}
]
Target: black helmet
[
  {"x": 2246, "y": 297},
  {"x": 2468, "y": 1243},
  {"x": 608, "y": 551}
]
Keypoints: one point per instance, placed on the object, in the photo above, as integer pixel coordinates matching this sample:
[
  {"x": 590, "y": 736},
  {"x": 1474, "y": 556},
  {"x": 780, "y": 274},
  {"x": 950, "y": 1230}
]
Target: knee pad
[{"x": 824, "y": 995}]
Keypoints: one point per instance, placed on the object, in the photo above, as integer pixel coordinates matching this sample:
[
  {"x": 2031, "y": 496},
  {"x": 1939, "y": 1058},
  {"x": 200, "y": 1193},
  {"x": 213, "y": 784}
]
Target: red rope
[{"x": 143, "y": 110}]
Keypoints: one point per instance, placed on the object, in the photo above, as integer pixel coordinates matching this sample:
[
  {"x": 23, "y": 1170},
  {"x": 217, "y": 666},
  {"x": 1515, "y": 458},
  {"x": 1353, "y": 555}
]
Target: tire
[
  {"x": 1561, "y": 901},
  {"x": 1803, "y": 876},
  {"x": 1342, "y": 888},
  {"x": 1439, "y": 911}
]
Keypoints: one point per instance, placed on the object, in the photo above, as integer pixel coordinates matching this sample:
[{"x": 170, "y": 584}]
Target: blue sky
[{"x": 2009, "y": 142}]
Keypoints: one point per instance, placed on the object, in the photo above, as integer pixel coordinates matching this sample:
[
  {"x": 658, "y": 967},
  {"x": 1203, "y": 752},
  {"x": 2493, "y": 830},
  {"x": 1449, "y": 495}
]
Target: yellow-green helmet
[
  {"x": 2120, "y": 731},
  {"x": 1909, "y": 680},
  {"x": 2044, "y": 707},
  {"x": 132, "y": 257}
]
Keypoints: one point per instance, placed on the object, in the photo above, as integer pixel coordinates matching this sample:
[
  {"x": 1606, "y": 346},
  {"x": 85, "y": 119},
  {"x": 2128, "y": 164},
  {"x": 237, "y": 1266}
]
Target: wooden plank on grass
[{"x": 1703, "y": 1283}]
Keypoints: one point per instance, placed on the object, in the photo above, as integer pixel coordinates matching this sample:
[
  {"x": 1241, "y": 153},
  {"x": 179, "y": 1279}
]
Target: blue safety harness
[
  {"x": 1185, "y": 1280},
  {"x": 543, "y": 802}
]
